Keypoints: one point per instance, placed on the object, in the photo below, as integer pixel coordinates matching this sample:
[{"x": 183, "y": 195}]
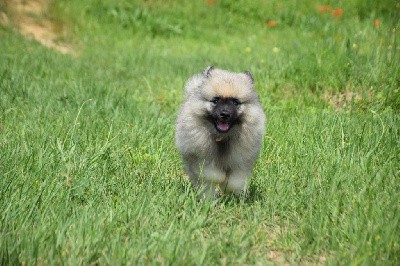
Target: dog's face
[
  {"x": 225, "y": 96},
  {"x": 224, "y": 113}
]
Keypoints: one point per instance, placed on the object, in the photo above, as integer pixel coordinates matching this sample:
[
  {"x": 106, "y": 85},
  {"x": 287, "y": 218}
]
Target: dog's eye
[
  {"x": 215, "y": 100},
  {"x": 236, "y": 101}
]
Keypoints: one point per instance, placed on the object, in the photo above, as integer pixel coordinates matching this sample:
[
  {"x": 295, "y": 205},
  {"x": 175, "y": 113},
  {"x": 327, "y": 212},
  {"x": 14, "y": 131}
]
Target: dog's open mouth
[{"x": 222, "y": 126}]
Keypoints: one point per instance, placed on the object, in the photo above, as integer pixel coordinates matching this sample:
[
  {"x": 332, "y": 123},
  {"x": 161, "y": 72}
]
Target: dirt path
[{"x": 29, "y": 17}]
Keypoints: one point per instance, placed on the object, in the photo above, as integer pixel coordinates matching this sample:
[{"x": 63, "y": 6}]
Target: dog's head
[{"x": 226, "y": 95}]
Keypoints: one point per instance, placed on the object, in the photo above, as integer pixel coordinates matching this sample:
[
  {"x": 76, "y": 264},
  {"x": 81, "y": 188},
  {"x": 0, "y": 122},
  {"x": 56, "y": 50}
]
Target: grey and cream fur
[{"x": 219, "y": 130}]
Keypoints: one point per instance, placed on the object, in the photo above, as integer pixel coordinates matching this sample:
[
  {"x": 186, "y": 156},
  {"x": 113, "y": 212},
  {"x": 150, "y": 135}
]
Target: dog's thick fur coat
[{"x": 219, "y": 130}]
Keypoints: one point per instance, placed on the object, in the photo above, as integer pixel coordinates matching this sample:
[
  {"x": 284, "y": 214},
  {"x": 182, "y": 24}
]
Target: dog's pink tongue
[{"x": 223, "y": 126}]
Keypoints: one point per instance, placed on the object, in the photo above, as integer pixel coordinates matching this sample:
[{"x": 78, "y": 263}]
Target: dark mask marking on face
[{"x": 224, "y": 114}]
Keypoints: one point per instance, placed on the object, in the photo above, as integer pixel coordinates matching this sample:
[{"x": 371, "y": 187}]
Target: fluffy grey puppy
[{"x": 219, "y": 130}]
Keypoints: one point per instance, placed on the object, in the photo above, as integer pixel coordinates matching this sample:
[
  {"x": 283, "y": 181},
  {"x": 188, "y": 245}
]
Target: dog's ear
[
  {"x": 248, "y": 74},
  {"x": 207, "y": 71}
]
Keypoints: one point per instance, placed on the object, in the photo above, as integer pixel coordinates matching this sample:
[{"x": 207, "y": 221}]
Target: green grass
[{"x": 88, "y": 169}]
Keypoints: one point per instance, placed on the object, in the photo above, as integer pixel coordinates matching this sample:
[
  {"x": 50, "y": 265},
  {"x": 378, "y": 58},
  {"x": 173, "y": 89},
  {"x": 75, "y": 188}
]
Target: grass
[{"x": 89, "y": 173}]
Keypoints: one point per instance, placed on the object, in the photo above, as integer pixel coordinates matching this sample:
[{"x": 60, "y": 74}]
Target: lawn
[{"x": 89, "y": 173}]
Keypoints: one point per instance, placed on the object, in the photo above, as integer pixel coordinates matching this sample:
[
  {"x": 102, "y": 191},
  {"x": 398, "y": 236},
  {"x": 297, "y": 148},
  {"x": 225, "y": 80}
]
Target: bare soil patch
[
  {"x": 29, "y": 17},
  {"x": 344, "y": 100}
]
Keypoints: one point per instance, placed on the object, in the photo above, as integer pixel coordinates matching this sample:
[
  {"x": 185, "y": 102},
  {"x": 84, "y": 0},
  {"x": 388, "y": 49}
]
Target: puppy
[{"x": 219, "y": 130}]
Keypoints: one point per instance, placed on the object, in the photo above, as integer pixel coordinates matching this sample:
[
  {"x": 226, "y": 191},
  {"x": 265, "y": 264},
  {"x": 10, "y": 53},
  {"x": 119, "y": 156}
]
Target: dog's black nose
[{"x": 225, "y": 114}]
